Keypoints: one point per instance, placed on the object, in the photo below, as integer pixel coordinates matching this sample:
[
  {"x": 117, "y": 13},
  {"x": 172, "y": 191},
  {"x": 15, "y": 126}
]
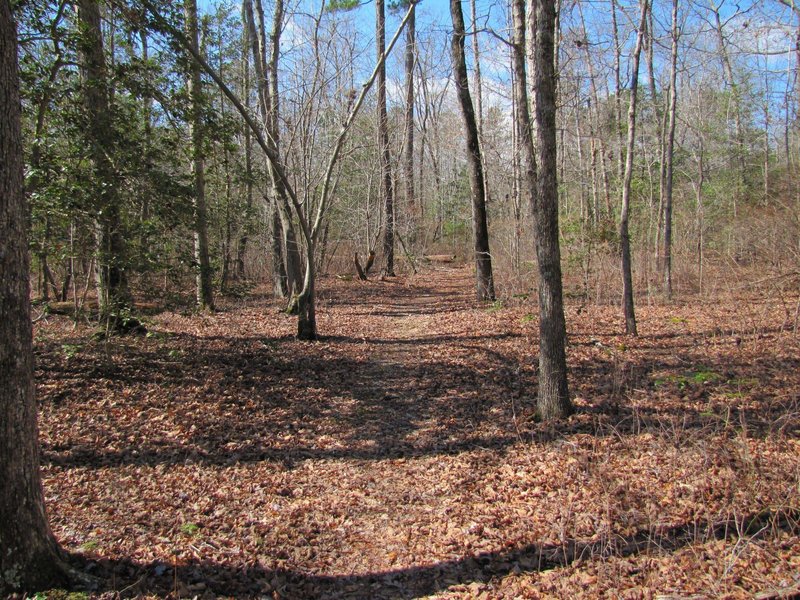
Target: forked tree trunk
[
  {"x": 266, "y": 80},
  {"x": 29, "y": 555},
  {"x": 483, "y": 259},
  {"x": 553, "y": 400}
]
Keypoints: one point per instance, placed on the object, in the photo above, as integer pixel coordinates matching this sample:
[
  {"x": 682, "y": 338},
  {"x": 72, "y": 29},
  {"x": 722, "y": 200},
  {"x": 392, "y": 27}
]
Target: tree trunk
[
  {"x": 408, "y": 163},
  {"x": 669, "y": 153},
  {"x": 483, "y": 259},
  {"x": 553, "y": 400},
  {"x": 280, "y": 284},
  {"x": 205, "y": 294},
  {"x": 387, "y": 191},
  {"x": 624, "y": 235},
  {"x": 617, "y": 89},
  {"x": 268, "y": 98},
  {"x": 30, "y": 559},
  {"x": 241, "y": 246},
  {"x": 476, "y": 60},
  {"x": 113, "y": 296}
]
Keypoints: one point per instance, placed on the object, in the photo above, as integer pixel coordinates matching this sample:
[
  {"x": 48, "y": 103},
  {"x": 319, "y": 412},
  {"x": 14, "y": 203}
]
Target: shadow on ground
[{"x": 196, "y": 578}]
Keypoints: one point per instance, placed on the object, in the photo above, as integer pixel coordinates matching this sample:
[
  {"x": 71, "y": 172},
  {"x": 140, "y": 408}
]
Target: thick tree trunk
[
  {"x": 205, "y": 293},
  {"x": 624, "y": 235},
  {"x": 279, "y": 278},
  {"x": 553, "y": 401},
  {"x": 306, "y": 302},
  {"x": 483, "y": 259},
  {"x": 113, "y": 295},
  {"x": 387, "y": 190},
  {"x": 30, "y": 559}
]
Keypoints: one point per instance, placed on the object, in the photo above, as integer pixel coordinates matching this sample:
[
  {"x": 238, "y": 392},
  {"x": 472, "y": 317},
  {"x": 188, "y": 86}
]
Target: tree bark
[
  {"x": 483, "y": 259},
  {"x": 205, "y": 293},
  {"x": 669, "y": 153},
  {"x": 113, "y": 296},
  {"x": 241, "y": 246},
  {"x": 476, "y": 59},
  {"x": 266, "y": 79},
  {"x": 624, "y": 235},
  {"x": 408, "y": 162},
  {"x": 617, "y": 88},
  {"x": 387, "y": 189},
  {"x": 553, "y": 401},
  {"x": 30, "y": 559}
]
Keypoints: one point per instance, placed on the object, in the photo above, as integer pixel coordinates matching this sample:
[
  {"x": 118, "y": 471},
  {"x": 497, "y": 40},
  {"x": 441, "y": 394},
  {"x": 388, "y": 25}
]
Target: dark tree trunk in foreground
[
  {"x": 387, "y": 191},
  {"x": 553, "y": 401},
  {"x": 112, "y": 283},
  {"x": 29, "y": 556},
  {"x": 483, "y": 259}
]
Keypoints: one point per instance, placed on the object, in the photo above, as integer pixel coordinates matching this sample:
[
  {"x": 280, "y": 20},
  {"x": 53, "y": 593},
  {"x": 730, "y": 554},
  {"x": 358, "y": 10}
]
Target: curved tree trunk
[
  {"x": 29, "y": 555},
  {"x": 483, "y": 259}
]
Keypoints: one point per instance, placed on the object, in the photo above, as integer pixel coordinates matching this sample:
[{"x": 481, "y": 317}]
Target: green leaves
[{"x": 342, "y": 5}]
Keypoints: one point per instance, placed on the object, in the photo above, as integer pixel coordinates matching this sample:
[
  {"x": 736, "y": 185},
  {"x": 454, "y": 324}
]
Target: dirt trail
[{"x": 396, "y": 456}]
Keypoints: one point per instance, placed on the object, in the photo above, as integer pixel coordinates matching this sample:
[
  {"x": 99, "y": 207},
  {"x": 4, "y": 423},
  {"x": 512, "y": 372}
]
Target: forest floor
[{"x": 398, "y": 456}]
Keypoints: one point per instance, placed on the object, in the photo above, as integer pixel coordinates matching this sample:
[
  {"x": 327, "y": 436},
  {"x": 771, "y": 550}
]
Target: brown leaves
[{"x": 397, "y": 457}]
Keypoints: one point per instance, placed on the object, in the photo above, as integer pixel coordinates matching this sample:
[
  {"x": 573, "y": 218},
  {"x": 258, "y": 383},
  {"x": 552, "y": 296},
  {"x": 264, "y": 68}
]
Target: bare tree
[
  {"x": 483, "y": 259},
  {"x": 266, "y": 71},
  {"x": 553, "y": 400},
  {"x": 310, "y": 225},
  {"x": 624, "y": 234},
  {"x": 669, "y": 152},
  {"x": 408, "y": 158},
  {"x": 387, "y": 188}
]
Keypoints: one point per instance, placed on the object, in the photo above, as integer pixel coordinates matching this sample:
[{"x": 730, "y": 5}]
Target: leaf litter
[{"x": 399, "y": 456}]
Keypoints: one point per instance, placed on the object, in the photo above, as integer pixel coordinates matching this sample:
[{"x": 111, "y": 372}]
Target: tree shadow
[
  {"x": 250, "y": 579},
  {"x": 226, "y": 400},
  {"x": 250, "y": 399}
]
